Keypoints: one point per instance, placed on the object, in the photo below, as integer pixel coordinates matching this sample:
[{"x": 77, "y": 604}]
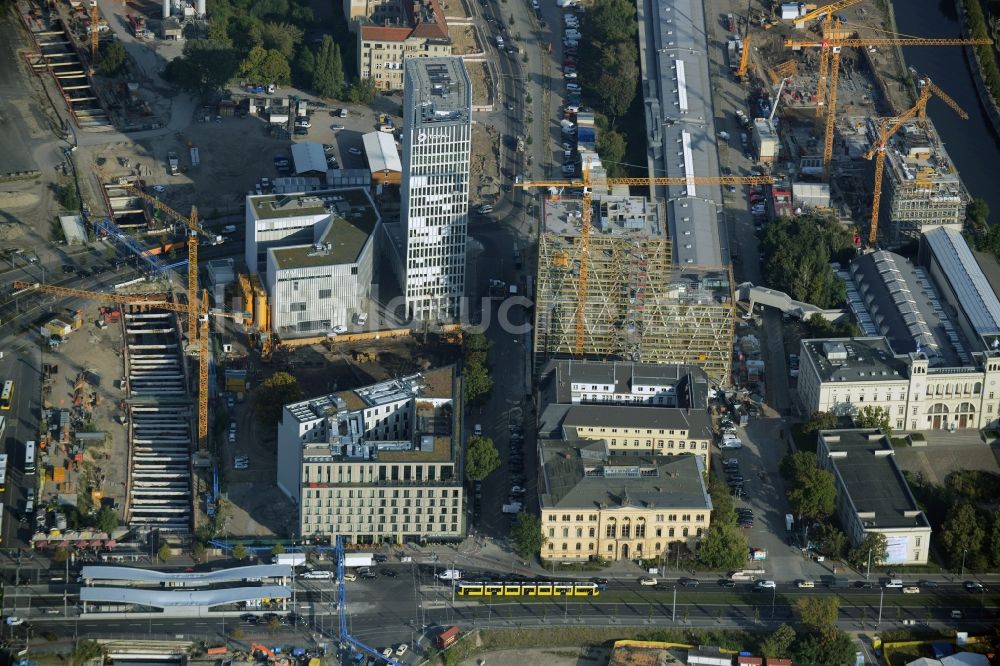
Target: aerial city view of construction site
[{"x": 456, "y": 332}]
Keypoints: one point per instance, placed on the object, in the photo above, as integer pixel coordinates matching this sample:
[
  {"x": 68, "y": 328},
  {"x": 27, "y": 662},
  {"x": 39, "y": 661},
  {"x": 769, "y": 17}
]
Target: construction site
[
  {"x": 833, "y": 87},
  {"x": 637, "y": 305}
]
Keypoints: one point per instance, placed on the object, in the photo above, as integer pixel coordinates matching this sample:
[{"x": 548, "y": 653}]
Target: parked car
[
  {"x": 765, "y": 585},
  {"x": 647, "y": 581}
]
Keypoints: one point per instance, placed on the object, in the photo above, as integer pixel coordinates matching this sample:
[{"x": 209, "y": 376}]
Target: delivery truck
[
  {"x": 291, "y": 559},
  {"x": 446, "y": 637},
  {"x": 355, "y": 560}
]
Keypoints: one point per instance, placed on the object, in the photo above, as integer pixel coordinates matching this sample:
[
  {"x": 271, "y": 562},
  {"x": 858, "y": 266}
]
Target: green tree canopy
[
  {"x": 477, "y": 383},
  {"x": 994, "y": 545},
  {"x": 819, "y": 327},
  {"x": 812, "y": 491},
  {"x": 68, "y": 197},
  {"x": 874, "y": 543},
  {"x": 281, "y": 37},
  {"x": 723, "y": 547},
  {"x": 481, "y": 458},
  {"x": 832, "y": 541},
  {"x": 962, "y": 533},
  {"x": 112, "y": 59},
  {"x": 797, "y": 253},
  {"x": 240, "y": 552},
  {"x": 527, "y": 535},
  {"x": 328, "y": 74},
  {"x": 277, "y": 549},
  {"x": 362, "y": 91},
  {"x": 205, "y": 66},
  {"x": 273, "y": 394},
  {"x": 871, "y": 416},
  {"x": 819, "y": 615},
  {"x": 198, "y": 550},
  {"x": 813, "y": 649},
  {"x": 611, "y": 147},
  {"x": 60, "y": 555},
  {"x": 819, "y": 421},
  {"x": 778, "y": 643},
  {"x": 164, "y": 553},
  {"x": 978, "y": 212},
  {"x": 106, "y": 520},
  {"x": 262, "y": 66}
]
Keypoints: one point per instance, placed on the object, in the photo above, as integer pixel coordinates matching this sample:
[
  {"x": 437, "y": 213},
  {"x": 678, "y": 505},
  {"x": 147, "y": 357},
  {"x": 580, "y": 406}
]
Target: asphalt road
[{"x": 15, "y": 99}]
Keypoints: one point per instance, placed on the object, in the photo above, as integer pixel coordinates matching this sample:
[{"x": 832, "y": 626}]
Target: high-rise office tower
[{"x": 437, "y": 133}]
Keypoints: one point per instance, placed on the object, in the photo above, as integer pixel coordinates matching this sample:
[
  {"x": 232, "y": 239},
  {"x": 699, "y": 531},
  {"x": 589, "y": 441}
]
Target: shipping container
[{"x": 446, "y": 637}]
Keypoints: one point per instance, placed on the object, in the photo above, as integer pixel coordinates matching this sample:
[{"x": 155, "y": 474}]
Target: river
[{"x": 972, "y": 144}]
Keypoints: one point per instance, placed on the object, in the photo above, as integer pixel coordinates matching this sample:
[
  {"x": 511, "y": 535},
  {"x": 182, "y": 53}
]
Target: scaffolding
[{"x": 640, "y": 306}]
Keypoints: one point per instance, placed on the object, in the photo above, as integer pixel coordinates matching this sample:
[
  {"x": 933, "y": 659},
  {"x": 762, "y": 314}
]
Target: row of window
[
  {"x": 628, "y": 399},
  {"x": 379, "y": 493},
  {"x": 681, "y": 445},
  {"x": 635, "y": 431},
  {"x": 611, "y": 547},
  {"x": 382, "y": 513},
  {"x": 435, "y": 528},
  {"x": 361, "y": 503},
  {"x": 660, "y": 517}
]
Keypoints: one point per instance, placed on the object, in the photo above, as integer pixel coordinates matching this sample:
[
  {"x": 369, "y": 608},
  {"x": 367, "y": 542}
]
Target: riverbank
[{"x": 972, "y": 57}]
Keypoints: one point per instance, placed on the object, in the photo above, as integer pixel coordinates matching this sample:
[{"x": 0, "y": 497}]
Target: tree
[
  {"x": 724, "y": 546},
  {"x": 837, "y": 651},
  {"x": 198, "y": 551},
  {"x": 113, "y": 59},
  {"x": 84, "y": 652},
  {"x": 796, "y": 465},
  {"x": 481, "y": 458},
  {"x": 723, "y": 504},
  {"x": 832, "y": 541},
  {"x": 281, "y": 37},
  {"x": 978, "y": 212},
  {"x": 819, "y": 615},
  {"x": 871, "y": 416},
  {"x": 240, "y": 552},
  {"x": 273, "y": 394},
  {"x": 266, "y": 66},
  {"x": 362, "y": 91},
  {"x": 617, "y": 85},
  {"x": 204, "y": 67},
  {"x": 60, "y": 555},
  {"x": 477, "y": 383},
  {"x": 164, "y": 552},
  {"x": 818, "y": 326},
  {"x": 874, "y": 543},
  {"x": 994, "y": 545},
  {"x": 277, "y": 549},
  {"x": 305, "y": 67},
  {"x": 819, "y": 421},
  {"x": 779, "y": 643},
  {"x": 527, "y": 535},
  {"x": 69, "y": 198},
  {"x": 611, "y": 147},
  {"x": 106, "y": 520},
  {"x": 797, "y": 254},
  {"x": 962, "y": 533},
  {"x": 814, "y": 495},
  {"x": 328, "y": 74}
]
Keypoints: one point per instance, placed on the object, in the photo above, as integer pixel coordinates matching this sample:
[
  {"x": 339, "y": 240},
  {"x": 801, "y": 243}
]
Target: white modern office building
[{"x": 437, "y": 131}]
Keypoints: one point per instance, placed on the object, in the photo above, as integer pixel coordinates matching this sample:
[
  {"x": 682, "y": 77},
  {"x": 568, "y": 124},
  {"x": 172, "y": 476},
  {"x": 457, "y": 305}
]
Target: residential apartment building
[
  {"x": 872, "y": 494},
  {"x": 396, "y": 31},
  {"x": 317, "y": 251},
  {"x": 437, "y": 129},
  {"x": 569, "y": 382},
  {"x": 595, "y": 505},
  {"x": 376, "y": 464}
]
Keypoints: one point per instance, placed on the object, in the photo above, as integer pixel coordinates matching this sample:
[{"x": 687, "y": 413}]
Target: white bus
[
  {"x": 29, "y": 457},
  {"x": 3, "y": 473}
]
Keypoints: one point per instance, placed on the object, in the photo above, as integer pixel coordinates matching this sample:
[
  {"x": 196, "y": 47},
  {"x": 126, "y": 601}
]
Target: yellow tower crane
[
  {"x": 193, "y": 230},
  {"x": 94, "y": 33},
  {"x": 889, "y": 126},
  {"x": 156, "y": 301},
  {"x": 836, "y": 44},
  {"x": 586, "y": 184}
]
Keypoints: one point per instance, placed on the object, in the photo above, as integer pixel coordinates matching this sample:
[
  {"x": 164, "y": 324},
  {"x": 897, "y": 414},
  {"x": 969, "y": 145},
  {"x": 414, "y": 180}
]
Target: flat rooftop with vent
[
  {"x": 315, "y": 254},
  {"x": 443, "y": 82},
  {"x": 392, "y": 440},
  {"x": 872, "y": 494},
  {"x": 618, "y": 507}
]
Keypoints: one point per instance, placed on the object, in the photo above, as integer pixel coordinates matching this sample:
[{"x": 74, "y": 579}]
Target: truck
[
  {"x": 757, "y": 554},
  {"x": 513, "y": 507},
  {"x": 746, "y": 574},
  {"x": 446, "y": 637},
  {"x": 173, "y": 163},
  {"x": 291, "y": 559},
  {"x": 354, "y": 560}
]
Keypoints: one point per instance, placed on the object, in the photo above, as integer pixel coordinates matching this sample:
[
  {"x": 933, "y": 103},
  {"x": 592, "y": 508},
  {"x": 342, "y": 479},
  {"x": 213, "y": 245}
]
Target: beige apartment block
[
  {"x": 417, "y": 30},
  {"x": 595, "y": 505},
  {"x": 375, "y": 464}
]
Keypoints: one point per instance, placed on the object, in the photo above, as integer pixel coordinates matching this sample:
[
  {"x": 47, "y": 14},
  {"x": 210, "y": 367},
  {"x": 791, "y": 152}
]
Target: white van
[
  {"x": 450, "y": 574},
  {"x": 229, "y": 229},
  {"x": 893, "y": 583},
  {"x": 318, "y": 574}
]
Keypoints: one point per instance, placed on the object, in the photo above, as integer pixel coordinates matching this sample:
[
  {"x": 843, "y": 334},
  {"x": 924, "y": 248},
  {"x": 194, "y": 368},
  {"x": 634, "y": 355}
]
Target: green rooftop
[{"x": 352, "y": 222}]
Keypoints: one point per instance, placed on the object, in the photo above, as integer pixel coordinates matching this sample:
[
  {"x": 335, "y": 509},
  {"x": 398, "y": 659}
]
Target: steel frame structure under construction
[{"x": 640, "y": 305}]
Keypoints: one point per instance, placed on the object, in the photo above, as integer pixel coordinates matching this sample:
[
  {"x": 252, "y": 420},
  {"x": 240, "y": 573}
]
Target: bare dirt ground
[
  {"x": 454, "y": 8},
  {"x": 481, "y": 93},
  {"x": 551, "y": 657},
  {"x": 485, "y": 167},
  {"x": 97, "y": 355},
  {"x": 463, "y": 40}
]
